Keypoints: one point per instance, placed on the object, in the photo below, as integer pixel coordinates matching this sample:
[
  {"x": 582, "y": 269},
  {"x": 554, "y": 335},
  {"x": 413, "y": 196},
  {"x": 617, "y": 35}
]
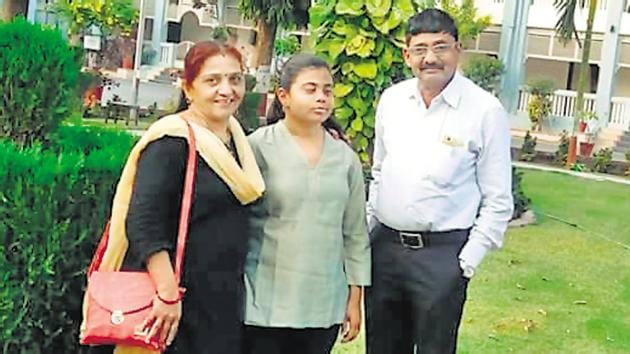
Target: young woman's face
[
  {"x": 310, "y": 97},
  {"x": 218, "y": 89}
]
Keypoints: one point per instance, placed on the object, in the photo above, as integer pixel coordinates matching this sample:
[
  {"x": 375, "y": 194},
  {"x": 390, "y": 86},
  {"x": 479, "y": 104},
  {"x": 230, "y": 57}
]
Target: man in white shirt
[{"x": 440, "y": 198}]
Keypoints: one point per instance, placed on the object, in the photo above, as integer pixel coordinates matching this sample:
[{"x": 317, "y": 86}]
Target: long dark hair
[{"x": 290, "y": 71}]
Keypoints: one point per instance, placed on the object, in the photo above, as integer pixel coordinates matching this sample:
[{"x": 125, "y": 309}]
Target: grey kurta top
[{"x": 309, "y": 239}]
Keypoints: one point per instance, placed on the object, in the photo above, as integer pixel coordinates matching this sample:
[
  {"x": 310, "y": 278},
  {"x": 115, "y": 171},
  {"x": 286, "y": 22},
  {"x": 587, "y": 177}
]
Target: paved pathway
[{"x": 586, "y": 175}]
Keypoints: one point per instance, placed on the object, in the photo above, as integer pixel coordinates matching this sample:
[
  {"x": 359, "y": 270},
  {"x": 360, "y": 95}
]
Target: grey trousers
[{"x": 417, "y": 295}]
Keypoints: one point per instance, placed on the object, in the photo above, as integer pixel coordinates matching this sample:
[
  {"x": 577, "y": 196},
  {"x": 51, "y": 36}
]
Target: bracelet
[{"x": 171, "y": 302}]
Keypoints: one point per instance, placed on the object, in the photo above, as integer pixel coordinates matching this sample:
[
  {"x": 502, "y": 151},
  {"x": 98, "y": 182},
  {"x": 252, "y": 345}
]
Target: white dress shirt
[{"x": 444, "y": 167}]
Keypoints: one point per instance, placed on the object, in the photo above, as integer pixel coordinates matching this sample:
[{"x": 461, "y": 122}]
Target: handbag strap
[{"x": 184, "y": 217}]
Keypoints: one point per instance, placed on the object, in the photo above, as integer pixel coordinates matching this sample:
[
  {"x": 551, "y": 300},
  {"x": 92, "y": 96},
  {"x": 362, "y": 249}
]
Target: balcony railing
[{"x": 563, "y": 105}]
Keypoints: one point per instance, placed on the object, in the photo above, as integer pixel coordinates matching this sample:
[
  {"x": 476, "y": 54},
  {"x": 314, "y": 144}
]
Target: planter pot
[
  {"x": 582, "y": 127},
  {"x": 586, "y": 149}
]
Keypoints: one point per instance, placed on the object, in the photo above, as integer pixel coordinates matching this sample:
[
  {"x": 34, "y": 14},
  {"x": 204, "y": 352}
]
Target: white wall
[{"x": 542, "y": 14}]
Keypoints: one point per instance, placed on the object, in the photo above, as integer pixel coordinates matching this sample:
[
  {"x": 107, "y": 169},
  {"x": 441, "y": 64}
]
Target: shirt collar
[{"x": 451, "y": 94}]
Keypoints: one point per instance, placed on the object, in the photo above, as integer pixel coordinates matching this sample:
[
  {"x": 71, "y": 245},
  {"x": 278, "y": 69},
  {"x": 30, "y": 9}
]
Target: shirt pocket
[{"x": 450, "y": 163}]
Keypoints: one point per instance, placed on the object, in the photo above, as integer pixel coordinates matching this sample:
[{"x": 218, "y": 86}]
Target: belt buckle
[{"x": 407, "y": 235}]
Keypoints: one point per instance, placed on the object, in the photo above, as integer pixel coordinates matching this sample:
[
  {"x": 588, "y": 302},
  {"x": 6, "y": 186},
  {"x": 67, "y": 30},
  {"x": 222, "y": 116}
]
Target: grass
[
  {"x": 143, "y": 123},
  {"x": 554, "y": 288}
]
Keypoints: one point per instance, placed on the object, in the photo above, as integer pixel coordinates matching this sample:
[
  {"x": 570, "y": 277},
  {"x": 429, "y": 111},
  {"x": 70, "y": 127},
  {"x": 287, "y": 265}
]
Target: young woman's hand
[{"x": 352, "y": 322}]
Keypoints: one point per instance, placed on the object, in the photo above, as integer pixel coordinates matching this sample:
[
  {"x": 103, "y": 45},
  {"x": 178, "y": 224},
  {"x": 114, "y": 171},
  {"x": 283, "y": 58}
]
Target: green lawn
[
  {"x": 143, "y": 123},
  {"x": 554, "y": 288}
]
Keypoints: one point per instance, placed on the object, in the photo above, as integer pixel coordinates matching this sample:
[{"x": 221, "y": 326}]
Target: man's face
[{"x": 433, "y": 58}]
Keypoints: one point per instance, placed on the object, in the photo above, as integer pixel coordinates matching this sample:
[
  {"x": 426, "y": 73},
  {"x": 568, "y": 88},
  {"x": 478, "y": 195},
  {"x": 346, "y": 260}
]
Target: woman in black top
[{"x": 209, "y": 317}]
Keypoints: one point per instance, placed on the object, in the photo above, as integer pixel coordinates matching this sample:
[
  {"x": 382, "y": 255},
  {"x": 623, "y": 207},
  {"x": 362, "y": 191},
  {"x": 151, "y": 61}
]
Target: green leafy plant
[
  {"x": 485, "y": 71},
  {"x": 55, "y": 202},
  {"x": 578, "y": 167},
  {"x": 602, "y": 160},
  {"x": 539, "y": 106},
  {"x": 528, "y": 150},
  {"x": 247, "y": 112},
  {"x": 627, "y": 173},
  {"x": 560, "y": 156},
  {"x": 362, "y": 40},
  {"x": 286, "y": 46},
  {"x": 585, "y": 116},
  {"x": 110, "y": 16},
  {"x": 38, "y": 80}
]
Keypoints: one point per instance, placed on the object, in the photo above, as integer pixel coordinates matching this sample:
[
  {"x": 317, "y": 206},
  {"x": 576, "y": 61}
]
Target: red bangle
[{"x": 171, "y": 302}]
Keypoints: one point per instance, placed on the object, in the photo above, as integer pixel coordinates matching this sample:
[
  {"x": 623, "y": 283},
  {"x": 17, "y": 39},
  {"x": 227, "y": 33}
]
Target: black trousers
[
  {"x": 266, "y": 340},
  {"x": 417, "y": 295}
]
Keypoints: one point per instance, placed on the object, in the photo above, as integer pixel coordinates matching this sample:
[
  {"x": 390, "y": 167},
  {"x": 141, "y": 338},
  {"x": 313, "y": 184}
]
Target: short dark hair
[{"x": 431, "y": 21}]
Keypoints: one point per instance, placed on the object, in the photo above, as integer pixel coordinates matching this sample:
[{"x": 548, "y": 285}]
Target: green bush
[
  {"x": 247, "y": 113},
  {"x": 485, "y": 71},
  {"x": 602, "y": 160},
  {"x": 560, "y": 156},
  {"x": 38, "y": 80},
  {"x": 521, "y": 202},
  {"x": 55, "y": 202},
  {"x": 528, "y": 150},
  {"x": 539, "y": 106}
]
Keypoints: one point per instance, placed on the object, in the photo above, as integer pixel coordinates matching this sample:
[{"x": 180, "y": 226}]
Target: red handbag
[{"x": 118, "y": 302}]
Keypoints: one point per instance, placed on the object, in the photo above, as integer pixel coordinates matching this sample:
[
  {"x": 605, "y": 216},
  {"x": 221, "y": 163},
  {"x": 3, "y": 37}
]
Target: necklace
[{"x": 226, "y": 139}]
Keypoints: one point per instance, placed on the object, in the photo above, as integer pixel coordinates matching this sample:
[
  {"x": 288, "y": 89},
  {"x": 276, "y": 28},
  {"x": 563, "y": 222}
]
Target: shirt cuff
[{"x": 474, "y": 251}]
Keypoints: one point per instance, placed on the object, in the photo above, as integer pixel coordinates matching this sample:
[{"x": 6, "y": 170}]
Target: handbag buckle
[{"x": 117, "y": 317}]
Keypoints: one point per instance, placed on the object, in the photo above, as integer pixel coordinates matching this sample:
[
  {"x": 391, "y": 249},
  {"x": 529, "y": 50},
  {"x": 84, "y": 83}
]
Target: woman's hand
[
  {"x": 163, "y": 321},
  {"x": 352, "y": 322}
]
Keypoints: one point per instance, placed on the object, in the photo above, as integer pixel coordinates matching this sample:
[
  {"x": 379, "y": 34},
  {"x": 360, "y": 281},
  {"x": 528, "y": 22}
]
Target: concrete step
[{"x": 610, "y": 134}]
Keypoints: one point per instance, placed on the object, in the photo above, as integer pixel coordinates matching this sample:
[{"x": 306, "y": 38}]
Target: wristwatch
[{"x": 468, "y": 271}]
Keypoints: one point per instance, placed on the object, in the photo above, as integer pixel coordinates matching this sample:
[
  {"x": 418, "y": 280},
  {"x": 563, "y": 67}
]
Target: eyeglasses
[{"x": 438, "y": 49}]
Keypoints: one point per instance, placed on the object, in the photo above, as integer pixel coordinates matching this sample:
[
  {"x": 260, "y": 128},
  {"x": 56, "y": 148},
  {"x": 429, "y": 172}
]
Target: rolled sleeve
[
  {"x": 357, "y": 256},
  {"x": 494, "y": 179}
]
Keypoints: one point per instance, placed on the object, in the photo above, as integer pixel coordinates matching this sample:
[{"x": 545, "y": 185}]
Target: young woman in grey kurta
[{"x": 310, "y": 241}]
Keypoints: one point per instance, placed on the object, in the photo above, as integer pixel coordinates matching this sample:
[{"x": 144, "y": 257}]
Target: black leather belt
[{"x": 421, "y": 239}]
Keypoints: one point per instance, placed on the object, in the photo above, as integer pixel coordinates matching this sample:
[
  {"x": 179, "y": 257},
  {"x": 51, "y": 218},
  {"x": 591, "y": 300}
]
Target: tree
[
  {"x": 12, "y": 8},
  {"x": 362, "y": 41},
  {"x": 469, "y": 23},
  {"x": 565, "y": 28},
  {"x": 270, "y": 15}
]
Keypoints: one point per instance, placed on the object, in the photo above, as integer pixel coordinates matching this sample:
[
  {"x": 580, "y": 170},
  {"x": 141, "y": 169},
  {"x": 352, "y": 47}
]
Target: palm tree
[{"x": 565, "y": 28}]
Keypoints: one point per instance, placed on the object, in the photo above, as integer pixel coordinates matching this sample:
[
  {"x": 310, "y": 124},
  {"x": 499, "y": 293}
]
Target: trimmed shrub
[
  {"x": 55, "y": 202},
  {"x": 485, "y": 71},
  {"x": 602, "y": 160},
  {"x": 38, "y": 80},
  {"x": 528, "y": 150},
  {"x": 521, "y": 202}
]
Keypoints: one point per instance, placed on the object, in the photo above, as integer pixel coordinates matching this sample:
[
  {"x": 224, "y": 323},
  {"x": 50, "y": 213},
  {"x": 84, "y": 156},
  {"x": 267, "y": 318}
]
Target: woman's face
[
  {"x": 310, "y": 97},
  {"x": 218, "y": 89}
]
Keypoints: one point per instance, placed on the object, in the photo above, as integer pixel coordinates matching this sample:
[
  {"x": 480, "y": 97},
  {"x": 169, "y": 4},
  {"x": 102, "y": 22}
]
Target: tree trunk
[
  {"x": 264, "y": 43},
  {"x": 584, "y": 65},
  {"x": 582, "y": 81},
  {"x": 264, "y": 53},
  {"x": 12, "y": 8}
]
